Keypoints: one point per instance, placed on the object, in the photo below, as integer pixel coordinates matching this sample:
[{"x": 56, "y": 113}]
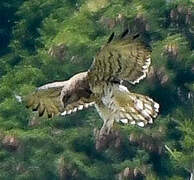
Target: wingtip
[
  {"x": 136, "y": 36},
  {"x": 124, "y": 33},
  {"x": 110, "y": 38}
]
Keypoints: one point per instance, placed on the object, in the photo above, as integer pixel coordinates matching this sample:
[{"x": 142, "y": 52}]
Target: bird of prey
[{"x": 124, "y": 58}]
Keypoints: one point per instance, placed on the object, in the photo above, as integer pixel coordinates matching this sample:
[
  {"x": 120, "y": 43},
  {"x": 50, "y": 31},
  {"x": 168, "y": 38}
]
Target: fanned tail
[
  {"x": 120, "y": 105},
  {"x": 135, "y": 108},
  {"x": 130, "y": 108}
]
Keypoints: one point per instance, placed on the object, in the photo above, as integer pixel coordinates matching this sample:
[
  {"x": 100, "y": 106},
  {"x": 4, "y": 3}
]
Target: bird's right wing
[
  {"x": 45, "y": 101},
  {"x": 61, "y": 97}
]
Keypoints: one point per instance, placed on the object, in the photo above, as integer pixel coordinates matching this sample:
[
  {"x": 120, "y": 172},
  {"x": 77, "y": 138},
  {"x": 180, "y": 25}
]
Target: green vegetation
[{"x": 47, "y": 40}]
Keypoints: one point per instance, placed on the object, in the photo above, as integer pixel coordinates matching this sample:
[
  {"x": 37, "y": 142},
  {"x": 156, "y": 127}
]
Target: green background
[{"x": 47, "y": 40}]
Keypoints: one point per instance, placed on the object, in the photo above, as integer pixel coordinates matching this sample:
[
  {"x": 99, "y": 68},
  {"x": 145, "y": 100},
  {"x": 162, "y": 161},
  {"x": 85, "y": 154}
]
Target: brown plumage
[{"x": 125, "y": 58}]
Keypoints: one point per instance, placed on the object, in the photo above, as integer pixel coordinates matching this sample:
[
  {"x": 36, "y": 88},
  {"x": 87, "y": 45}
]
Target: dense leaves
[{"x": 47, "y": 40}]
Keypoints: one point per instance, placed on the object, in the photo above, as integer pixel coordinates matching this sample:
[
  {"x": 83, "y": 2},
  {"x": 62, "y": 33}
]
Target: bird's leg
[
  {"x": 107, "y": 126},
  {"x": 102, "y": 137}
]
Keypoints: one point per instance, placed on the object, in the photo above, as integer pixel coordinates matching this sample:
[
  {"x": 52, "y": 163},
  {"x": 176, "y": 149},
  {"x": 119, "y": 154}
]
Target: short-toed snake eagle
[{"x": 121, "y": 59}]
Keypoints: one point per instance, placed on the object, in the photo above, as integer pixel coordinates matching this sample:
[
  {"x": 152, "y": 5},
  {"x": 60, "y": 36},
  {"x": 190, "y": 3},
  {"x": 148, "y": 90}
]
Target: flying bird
[{"x": 124, "y": 58}]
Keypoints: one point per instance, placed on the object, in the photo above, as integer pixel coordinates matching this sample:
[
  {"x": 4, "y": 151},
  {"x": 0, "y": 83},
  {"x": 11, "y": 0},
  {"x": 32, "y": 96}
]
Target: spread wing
[
  {"x": 125, "y": 59},
  {"x": 61, "y": 97},
  {"x": 45, "y": 101}
]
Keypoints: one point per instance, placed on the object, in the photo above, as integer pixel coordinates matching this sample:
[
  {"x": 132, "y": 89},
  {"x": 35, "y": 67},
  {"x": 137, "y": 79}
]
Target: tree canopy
[{"x": 51, "y": 40}]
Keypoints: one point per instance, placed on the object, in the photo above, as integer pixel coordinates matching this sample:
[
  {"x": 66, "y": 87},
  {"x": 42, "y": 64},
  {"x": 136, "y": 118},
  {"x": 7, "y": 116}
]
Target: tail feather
[
  {"x": 120, "y": 105},
  {"x": 139, "y": 109},
  {"x": 132, "y": 108}
]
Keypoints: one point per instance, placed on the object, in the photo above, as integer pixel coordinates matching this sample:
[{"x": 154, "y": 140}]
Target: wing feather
[
  {"x": 45, "y": 101},
  {"x": 125, "y": 59},
  {"x": 61, "y": 97}
]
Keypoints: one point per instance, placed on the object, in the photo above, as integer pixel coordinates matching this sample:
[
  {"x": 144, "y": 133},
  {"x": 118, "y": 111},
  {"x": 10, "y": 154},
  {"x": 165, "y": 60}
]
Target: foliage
[{"x": 47, "y": 40}]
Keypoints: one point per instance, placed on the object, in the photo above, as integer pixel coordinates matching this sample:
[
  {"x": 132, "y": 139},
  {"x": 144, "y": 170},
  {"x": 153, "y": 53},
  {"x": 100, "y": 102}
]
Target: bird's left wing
[{"x": 125, "y": 58}]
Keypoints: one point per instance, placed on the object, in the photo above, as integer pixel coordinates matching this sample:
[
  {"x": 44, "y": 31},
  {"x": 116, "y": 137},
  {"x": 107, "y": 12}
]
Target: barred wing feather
[
  {"x": 124, "y": 59},
  {"x": 61, "y": 97}
]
